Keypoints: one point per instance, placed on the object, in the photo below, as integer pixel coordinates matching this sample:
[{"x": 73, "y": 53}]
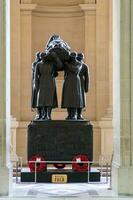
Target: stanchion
[
  {"x": 110, "y": 183},
  {"x": 88, "y": 171},
  {"x": 89, "y": 177},
  {"x": 107, "y": 168},
  {"x": 35, "y": 173},
  {"x": 16, "y": 171}
]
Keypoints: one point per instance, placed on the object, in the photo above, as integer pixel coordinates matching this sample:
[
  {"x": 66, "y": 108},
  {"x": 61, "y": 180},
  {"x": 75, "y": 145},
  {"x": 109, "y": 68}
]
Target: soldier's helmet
[
  {"x": 73, "y": 54},
  {"x": 80, "y": 56},
  {"x": 38, "y": 54},
  {"x": 42, "y": 55}
]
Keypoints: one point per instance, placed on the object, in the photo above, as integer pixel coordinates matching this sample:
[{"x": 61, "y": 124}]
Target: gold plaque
[{"x": 59, "y": 178}]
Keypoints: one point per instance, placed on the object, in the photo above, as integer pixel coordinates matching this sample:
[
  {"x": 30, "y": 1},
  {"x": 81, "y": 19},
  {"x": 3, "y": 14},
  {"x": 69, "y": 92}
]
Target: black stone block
[
  {"x": 60, "y": 140},
  {"x": 46, "y": 177},
  {"x": 94, "y": 176}
]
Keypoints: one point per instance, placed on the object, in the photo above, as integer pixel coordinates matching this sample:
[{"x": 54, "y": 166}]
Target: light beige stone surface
[
  {"x": 122, "y": 88},
  {"x": 90, "y": 57},
  {"x": 4, "y": 181},
  {"x": 4, "y": 171},
  {"x": 14, "y": 125},
  {"x": 15, "y": 58},
  {"x": 31, "y": 24},
  {"x": 85, "y": 26},
  {"x": 106, "y": 136}
]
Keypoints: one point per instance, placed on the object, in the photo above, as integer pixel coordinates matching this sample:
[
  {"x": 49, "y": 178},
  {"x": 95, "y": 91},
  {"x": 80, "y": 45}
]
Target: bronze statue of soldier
[
  {"x": 72, "y": 94},
  {"x": 34, "y": 91},
  {"x": 84, "y": 79},
  {"x": 46, "y": 86},
  {"x": 58, "y": 57}
]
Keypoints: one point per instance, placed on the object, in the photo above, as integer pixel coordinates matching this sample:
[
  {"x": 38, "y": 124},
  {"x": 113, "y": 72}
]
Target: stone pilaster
[
  {"x": 102, "y": 58},
  {"x": 131, "y": 81},
  {"x": 110, "y": 107},
  {"x": 14, "y": 126},
  {"x": 90, "y": 54},
  {"x": 25, "y": 1},
  {"x": 123, "y": 96},
  {"x": 26, "y": 54},
  {"x": 106, "y": 135},
  {"x": 4, "y": 172},
  {"x": 15, "y": 58}
]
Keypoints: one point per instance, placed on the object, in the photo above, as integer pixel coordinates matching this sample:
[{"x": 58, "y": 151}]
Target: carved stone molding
[
  {"x": 25, "y": 1},
  {"x": 90, "y": 1},
  {"x": 52, "y": 11},
  {"x": 58, "y": 2},
  {"x": 28, "y": 7},
  {"x": 88, "y": 8},
  {"x": 58, "y": 11}
]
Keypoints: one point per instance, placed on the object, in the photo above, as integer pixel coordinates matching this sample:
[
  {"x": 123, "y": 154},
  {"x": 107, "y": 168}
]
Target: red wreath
[
  {"x": 59, "y": 165},
  {"x": 78, "y": 165},
  {"x": 40, "y": 166}
]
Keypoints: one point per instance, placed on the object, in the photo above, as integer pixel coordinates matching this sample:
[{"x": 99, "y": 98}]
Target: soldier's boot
[
  {"x": 39, "y": 113},
  {"x": 49, "y": 109},
  {"x": 44, "y": 113},
  {"x": 79, "y": 115},
  {"x": 69, "y": 114},
  {"x": 73, "y": 114}
]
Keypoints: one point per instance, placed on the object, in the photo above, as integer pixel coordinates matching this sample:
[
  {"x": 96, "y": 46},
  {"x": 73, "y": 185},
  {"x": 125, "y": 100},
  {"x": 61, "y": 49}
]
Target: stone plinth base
[
  {"x": 4, "y": 181},
  {"x": 122, "y": 179}
]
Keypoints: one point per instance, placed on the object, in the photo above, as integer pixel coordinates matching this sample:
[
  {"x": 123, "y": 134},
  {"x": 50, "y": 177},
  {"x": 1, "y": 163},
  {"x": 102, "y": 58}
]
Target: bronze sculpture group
[{"x": 57, "y": 56}]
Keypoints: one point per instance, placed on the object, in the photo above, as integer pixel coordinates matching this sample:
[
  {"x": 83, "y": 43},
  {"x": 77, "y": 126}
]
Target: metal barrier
[{"x": 95, "y": 163}]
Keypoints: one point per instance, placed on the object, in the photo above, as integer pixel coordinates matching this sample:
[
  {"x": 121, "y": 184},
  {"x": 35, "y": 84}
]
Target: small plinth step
[
  {"x": 66, "y": 175},
  {"x": 94, "y": 175},
  {"x": 55, "y": 176}
]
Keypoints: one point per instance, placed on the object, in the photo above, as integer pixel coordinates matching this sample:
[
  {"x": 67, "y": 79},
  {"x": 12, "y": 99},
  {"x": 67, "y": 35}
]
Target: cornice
[
  {"x": 59, "y": 11},
  {"x": 89, "y": 9},
  {"x": 58, "y": 2},
  {"x": 28, "y": 7}
]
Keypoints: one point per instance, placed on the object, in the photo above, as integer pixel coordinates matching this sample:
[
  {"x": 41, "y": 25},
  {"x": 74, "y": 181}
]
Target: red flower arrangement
[
  {"x": 78, "y": 165},
  {"x": 40, "y": 166}
]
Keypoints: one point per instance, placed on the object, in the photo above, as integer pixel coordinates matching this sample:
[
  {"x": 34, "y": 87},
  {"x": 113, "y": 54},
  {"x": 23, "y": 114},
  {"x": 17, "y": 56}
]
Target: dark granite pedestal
[{"x": 60, "y": 140}]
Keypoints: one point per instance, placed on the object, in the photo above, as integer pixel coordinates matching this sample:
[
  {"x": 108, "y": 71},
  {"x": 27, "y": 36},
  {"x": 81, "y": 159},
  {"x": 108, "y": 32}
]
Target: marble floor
[
  {"x": 60, "y": 190},
  {"x": 43, "y": 191},
  {"x": 76, "y": 191}
]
